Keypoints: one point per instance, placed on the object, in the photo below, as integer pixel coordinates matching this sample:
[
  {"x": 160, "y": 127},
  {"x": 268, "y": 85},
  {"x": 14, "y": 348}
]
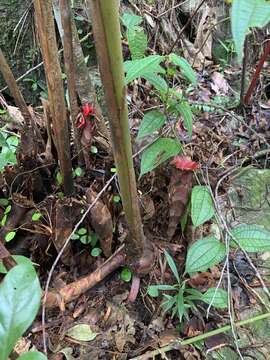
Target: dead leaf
[
  {"x": 81, "y": 332},
  {"x": 219, "y": 85},
  {"x": 101, "y": 222}
]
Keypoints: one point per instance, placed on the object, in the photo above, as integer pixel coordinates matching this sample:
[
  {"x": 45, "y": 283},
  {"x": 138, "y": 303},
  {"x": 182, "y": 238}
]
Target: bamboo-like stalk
[
  {"x": 106, "y": 28},
  {"x": 65, "y": 10},
  {"x": 47, "y": 38}
]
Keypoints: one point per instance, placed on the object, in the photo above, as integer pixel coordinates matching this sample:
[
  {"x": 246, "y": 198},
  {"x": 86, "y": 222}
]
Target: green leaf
[
  {"x": 185, "y": 110},
  {"x": 160, "y": 151},
  {"x": 180, "y": 304},
  {"x": 153, "y": 290},
  {"x": 59, "y": 178},
  {"x": 246, "y": 15},
  {"x": 82, "y": 231},
  {"x": 4, "y": 202},
  {"x": 10, "y": 235},
  {"x": 152, "y": 121},
  {"x": 202, "y": 208},
  {"x": 130, "y": 20},
  {"x": 20, "y": 296},
  {"x": 126, "y": 274},
  {"x": 204, "y": 254},
  {"x": 157, "y": 81},
  {"x": 96, "y": 252},
  {"x": 116, "y": 198},
  {"x": 36, "y": 216},
  {"x": 252, "y": 238},
  {"x": 219, "y": 301},
  {"x": 19, "y": 260},
  {"x": 137, "y": 42},
  {"x": 75, "y": 237},
  {"x": 185, "y": 67},
  {"x": 7, "y": 209},
  {"x": 172, "y": 266},
  {"x": 85, "y": 239},
  {"x": 81, "y": 332},
  {"x": 32, "y": 355},
  {"x": 94, "y": 239},
  {"x": 137, "y": 68},
  {"x": 78, "y": 171},
  {"x": 4, "y": 220}
]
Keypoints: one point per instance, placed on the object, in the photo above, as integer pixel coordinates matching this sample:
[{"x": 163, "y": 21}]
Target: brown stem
[
  {"x": 47, "y": 37},
  {"x": 65, "y": 10},
  {"x": 14, "y": 89},
  {"x": 257, "y": 73},
  {"x": 243, "y": 74}
]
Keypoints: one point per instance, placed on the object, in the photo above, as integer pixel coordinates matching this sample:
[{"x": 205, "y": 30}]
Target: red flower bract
[
  {"x": 184, "y": 163},
  {"x": 88, "y": 109}
]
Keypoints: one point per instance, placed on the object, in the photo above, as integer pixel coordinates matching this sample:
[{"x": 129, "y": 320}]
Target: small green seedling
[
  {"x": 36, "y": 216},
  {"x": 126, "y": 274},
  {"x": 183, "y": 298}
]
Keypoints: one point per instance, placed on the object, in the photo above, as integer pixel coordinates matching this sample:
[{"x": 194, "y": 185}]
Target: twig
[
  {"x": 243, "y": 73},
  {"x": 180, "y": 343}
]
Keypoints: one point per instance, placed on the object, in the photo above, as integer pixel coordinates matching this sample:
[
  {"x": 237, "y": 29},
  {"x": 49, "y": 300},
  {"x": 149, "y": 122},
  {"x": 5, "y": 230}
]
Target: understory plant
[
  {"x": 160, "y": 72},
  {"x": 20, "y": 296},
  {"x": 205, "y": 253}
]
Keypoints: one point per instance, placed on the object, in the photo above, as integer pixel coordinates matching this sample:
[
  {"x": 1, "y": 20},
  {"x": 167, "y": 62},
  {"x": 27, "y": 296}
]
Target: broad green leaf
[
  {"x": 252, "y": 238},
  {"x": 202, "y": 208},
  {"x": 185, "y": 110},
  {"x": 169, "y": 303},
  {"x": 217, "y": 297},
  {"x": 137, "y": 68},
  {"x": 160, "y": 151},
  {"x": 157, "y": 81},
  {"x": 81, "y": 332},
  {"x": 10, "y": 236},
  {"x": 137, "y": 42},
  {"x": 130, "y": 20},
  {"x": 245, "y": 15},
  {"x": 204, "y": 254},
  {"x": 85, "y": 239},
  {"x": 185, "y": 67},
  {"x": 152, "y": 121},
  {"x": 20, "y": 296},
  {"x": 172, "y": 266},
  {"x": 32, "y": 355},
  {"x": 126, "y": 274},
  {"x": 19, "y": 260},
  {"x": 75, "y": 237}
]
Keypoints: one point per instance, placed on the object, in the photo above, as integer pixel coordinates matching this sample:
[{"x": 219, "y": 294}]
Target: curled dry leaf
[
  {"x": 101, "y": 222},
  {"x": 179, "y": 190}
]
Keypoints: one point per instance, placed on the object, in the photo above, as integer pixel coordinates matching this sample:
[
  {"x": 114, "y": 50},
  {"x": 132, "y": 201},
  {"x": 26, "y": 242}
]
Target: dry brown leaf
[{"x": 101, "y": 222}]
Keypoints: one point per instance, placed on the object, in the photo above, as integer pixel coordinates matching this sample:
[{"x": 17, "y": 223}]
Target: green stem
[
  {"x": 177, "y": 343},
  {"x": 106, "y": 28}
]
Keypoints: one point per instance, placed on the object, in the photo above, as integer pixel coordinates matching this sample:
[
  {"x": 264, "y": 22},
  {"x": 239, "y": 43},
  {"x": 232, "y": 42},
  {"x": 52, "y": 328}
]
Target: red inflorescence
[
  {"x": 184, "y": 163},
  {"x": 87, "y": 110}
]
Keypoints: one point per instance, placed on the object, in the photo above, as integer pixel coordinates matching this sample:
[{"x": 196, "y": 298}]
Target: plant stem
[
  {"x": 47, "y": 38},
  {"x": 178, "y": 343},
  {"x": 106, "y": 28},
  {"x": 65, "y": 10}
]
